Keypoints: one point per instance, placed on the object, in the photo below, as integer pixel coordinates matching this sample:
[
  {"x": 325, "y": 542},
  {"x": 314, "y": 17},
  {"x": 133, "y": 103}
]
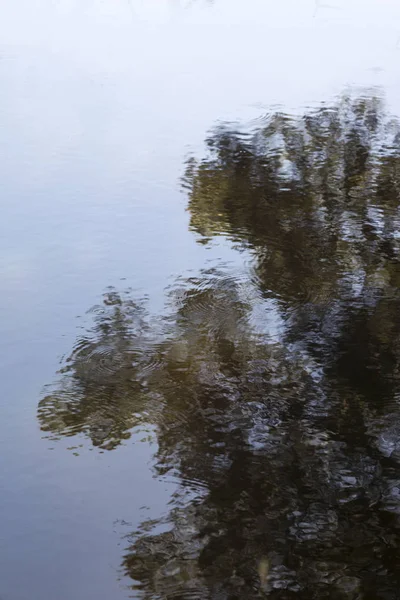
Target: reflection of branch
[
  {"x": 318, "y": 5},
  {"x": 131, "y": 8}
]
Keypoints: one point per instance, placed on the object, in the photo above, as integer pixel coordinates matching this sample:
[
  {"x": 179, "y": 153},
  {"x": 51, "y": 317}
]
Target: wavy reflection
[
  {"x": 285, "y": 447},
  {"x": 99, "y": 392}
]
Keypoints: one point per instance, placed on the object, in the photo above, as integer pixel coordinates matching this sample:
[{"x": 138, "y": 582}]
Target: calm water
[{"x": 200, "y": 300}]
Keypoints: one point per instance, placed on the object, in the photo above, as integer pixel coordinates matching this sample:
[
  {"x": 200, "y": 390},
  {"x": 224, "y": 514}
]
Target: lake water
[{"x": 200, "y": 274}]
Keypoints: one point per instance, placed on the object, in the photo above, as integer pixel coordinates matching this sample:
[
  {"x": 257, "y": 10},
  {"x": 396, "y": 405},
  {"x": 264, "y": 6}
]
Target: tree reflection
[
  {"x": 317, "y": 198},
  {"x": 285, "y": 448},
  {"x": 100, "y": 390}
]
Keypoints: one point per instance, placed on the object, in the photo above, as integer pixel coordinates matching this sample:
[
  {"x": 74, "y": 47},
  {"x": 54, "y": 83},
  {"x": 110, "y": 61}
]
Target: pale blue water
[{"x": 100, "y": 103}]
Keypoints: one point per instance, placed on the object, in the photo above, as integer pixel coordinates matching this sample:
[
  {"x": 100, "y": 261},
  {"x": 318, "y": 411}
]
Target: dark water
[{"x": 200, "y": 332}]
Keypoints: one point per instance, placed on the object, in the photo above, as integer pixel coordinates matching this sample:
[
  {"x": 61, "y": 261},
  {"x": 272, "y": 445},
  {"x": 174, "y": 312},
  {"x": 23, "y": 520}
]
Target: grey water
[{"x": 200, "y": 270}]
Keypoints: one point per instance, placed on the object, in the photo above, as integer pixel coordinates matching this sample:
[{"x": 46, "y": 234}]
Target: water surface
[{"x": 199, "y": 271}]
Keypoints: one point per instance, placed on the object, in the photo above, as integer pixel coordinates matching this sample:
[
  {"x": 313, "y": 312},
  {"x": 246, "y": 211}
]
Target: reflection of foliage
[
  {"x": 100, "y": 390},
  {"x": 304, "y": 476},
  {"x": 286, "y": 451},
  {"x": 318, "y": 199},
  {"x": 314, "y": 195}
]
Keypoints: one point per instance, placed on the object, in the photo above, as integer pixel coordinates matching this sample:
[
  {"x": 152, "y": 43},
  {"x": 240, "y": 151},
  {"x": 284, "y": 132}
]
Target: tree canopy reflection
[
  {"x": 317, "y": 198},
  {"x": 101, "y": 376},
  {"x": 285, "y": 447}
]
